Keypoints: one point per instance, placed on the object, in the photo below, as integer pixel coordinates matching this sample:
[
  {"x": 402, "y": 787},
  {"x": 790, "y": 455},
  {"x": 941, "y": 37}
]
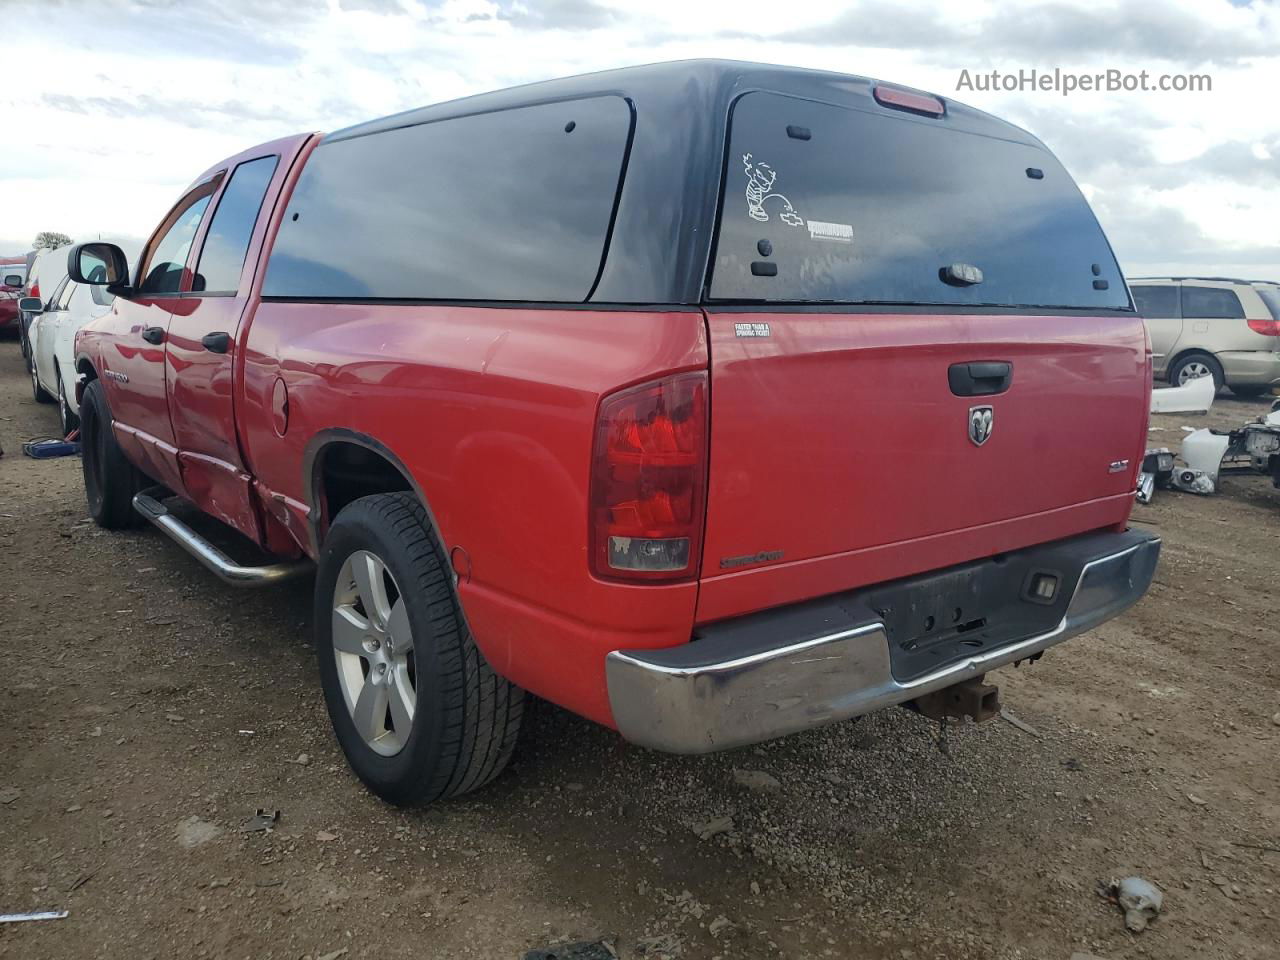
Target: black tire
[
  {"x": 66, "y": 417},
  {"x": 467, "y": 718},
  {"x": 110, "y": 480},
  {"x": 1207, "y": 360},
  {"x": 38, "y": 393},
  {"x": 1249, "y": 391}
]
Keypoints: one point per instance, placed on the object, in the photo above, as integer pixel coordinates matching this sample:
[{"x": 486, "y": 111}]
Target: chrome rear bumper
[{"x": 700, "y": 697}]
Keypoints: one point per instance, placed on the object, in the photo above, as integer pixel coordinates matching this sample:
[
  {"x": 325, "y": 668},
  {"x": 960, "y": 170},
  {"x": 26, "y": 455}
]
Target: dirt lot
[{"x": 147, "y": 712}]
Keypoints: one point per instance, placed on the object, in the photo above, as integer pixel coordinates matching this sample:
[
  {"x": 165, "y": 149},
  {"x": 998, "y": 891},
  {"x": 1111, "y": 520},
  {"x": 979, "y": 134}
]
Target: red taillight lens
[
  {"x": 1268, "y": 328},
  {"x": 648, "y": 480}
]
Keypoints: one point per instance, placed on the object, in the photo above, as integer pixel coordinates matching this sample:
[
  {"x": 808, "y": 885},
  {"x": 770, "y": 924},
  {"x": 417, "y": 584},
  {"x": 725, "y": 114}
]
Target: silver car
[{"x": 1216, "y": 325}]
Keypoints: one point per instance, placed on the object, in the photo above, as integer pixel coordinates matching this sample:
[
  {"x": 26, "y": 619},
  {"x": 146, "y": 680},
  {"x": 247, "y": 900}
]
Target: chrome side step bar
[{"x": 209, "y": 555}]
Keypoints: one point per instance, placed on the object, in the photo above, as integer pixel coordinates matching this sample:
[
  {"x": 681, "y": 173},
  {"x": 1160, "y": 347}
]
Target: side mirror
[
  {"x": 13, "y": 280},
  {"x": 98, "y": 264},
  {"x": 31, "y": 305}
]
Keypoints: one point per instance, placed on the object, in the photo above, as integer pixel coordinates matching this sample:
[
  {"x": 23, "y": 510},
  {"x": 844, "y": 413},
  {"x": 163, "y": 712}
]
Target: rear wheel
[
  {"x": 110, "y": 480},
  {"x": 1192, "y": 365},
  {"x": 66, "y": 416},
  {"x": 417, "y": 710},
  {"x": 37, "y": 392}
]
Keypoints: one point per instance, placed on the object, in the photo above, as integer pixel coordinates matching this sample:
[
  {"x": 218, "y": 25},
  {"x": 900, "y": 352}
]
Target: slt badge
[{"x": 981, "y": 423}]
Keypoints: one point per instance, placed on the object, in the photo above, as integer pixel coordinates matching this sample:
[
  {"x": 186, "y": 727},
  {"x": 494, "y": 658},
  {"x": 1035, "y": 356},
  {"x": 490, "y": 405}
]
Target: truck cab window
[
  {"x": 227, "y": 242},
  {"x": 163, "y": 271}
]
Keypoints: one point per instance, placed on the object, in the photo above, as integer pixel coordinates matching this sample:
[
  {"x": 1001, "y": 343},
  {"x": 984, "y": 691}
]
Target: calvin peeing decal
[{"x": 760, "y": 180}]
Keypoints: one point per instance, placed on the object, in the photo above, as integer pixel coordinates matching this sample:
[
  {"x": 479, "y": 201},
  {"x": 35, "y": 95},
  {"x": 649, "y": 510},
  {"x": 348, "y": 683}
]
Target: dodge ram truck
[{"x": 712, "y": 401}]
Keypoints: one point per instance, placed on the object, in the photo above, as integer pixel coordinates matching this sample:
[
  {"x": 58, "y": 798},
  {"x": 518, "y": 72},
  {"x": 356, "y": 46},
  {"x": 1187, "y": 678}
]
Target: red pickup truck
[{"x": 709, "y": 400}]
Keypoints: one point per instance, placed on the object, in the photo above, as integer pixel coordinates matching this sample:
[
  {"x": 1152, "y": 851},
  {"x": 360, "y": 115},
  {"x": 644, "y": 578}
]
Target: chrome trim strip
[
  {"x": 762, "y": 656},
  {"x": 210, "y": 556},
  {"x": 732, "y": 703}
]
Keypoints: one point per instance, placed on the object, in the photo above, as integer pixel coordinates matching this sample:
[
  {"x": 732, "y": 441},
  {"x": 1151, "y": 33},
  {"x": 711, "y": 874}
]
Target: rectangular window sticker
[
  {"x": 751, "y": 329},
  {"x": 835, "y": 232}
]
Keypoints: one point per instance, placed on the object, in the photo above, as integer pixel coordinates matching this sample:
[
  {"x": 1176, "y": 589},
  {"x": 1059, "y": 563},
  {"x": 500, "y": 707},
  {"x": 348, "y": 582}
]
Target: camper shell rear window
[{"x": 830, "y": 204}]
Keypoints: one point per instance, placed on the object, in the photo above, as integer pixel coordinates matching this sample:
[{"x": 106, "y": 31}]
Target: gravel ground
[{"x": 147, "y": 712}]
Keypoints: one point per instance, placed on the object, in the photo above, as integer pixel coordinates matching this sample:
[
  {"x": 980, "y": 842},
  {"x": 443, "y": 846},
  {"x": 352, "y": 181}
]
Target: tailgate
[{"x": 839, "y": 436}]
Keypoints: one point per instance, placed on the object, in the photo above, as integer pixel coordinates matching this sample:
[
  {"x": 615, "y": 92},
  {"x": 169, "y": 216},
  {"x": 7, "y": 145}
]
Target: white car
[
  {"x": 52, "y": 262},
  {"x": 68, "y": 307}
]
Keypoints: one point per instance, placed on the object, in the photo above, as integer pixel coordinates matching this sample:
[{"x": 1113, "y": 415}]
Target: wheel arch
[
  {"x": 330, "y": 485},
  {"x": 85, "y": 371}
]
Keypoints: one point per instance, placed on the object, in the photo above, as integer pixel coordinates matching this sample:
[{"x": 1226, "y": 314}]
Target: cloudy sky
[{"x": 111, "y": 107}]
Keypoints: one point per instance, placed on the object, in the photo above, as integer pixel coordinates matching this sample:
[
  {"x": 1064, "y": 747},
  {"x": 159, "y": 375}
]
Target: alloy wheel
[
  {"x": 1193, "y": 371},
  {"x": 373, "y": 650}
]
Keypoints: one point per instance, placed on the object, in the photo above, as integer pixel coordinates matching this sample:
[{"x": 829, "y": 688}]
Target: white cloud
[{"x": 121, "y": 103}]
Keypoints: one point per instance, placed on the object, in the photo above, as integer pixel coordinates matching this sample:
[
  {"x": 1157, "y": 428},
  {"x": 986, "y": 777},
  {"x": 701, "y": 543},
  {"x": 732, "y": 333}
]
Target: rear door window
[
  {"x": 227, "y": 242},
  {"x": 513, "y": 205},
  {"x": 64, "y": 297},
  {"x": 1156, "y": 302},
  {"x": 831, "y": 204},
  {"x": 51, "y": 304},
  {"x": 1211, "y": 303}
]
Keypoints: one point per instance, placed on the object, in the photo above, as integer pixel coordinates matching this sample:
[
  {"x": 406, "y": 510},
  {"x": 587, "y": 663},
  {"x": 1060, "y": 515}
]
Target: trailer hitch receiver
[{"x": 971, "y": 698}]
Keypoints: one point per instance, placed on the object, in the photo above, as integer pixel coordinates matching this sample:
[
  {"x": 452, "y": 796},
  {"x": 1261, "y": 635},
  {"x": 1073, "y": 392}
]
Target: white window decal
[
  {"x": 837, "y": 232},
  {"x": 760, "y": 180}
]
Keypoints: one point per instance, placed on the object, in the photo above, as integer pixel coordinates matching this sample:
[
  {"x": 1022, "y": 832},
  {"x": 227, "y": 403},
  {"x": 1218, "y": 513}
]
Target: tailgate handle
[{"x": 980, "y": 379}]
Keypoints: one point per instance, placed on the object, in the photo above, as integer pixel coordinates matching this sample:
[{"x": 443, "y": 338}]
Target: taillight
[
  {"x": 648, "y": 480},
  {"x": 901, "y": 99},
  {"x": 1268, "y": 328}
]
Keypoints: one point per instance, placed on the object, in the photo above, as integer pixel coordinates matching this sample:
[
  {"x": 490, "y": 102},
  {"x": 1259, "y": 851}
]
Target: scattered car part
[
  {"x": 261, "y": 821},
  {"x": 1140, "y": 900},
  {"x": 1019, "y": 724},
  {"x": 38, "y": 915},
  {"x": 1194, "y": 396},
  {"x": 1146, "y": 487},
  {"x": 1157, "y": 470},
  {"x": 1202, "y": 452},
  {"x": 1260, "y": 442}
]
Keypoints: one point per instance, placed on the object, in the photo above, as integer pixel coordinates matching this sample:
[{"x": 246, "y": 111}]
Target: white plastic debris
[
  {"x": 1140, "y": 900},
  {"x": 1202, "y": 452},
  {"x": 1194, "y": 396},
  {"x": 38, "y": 915}
]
